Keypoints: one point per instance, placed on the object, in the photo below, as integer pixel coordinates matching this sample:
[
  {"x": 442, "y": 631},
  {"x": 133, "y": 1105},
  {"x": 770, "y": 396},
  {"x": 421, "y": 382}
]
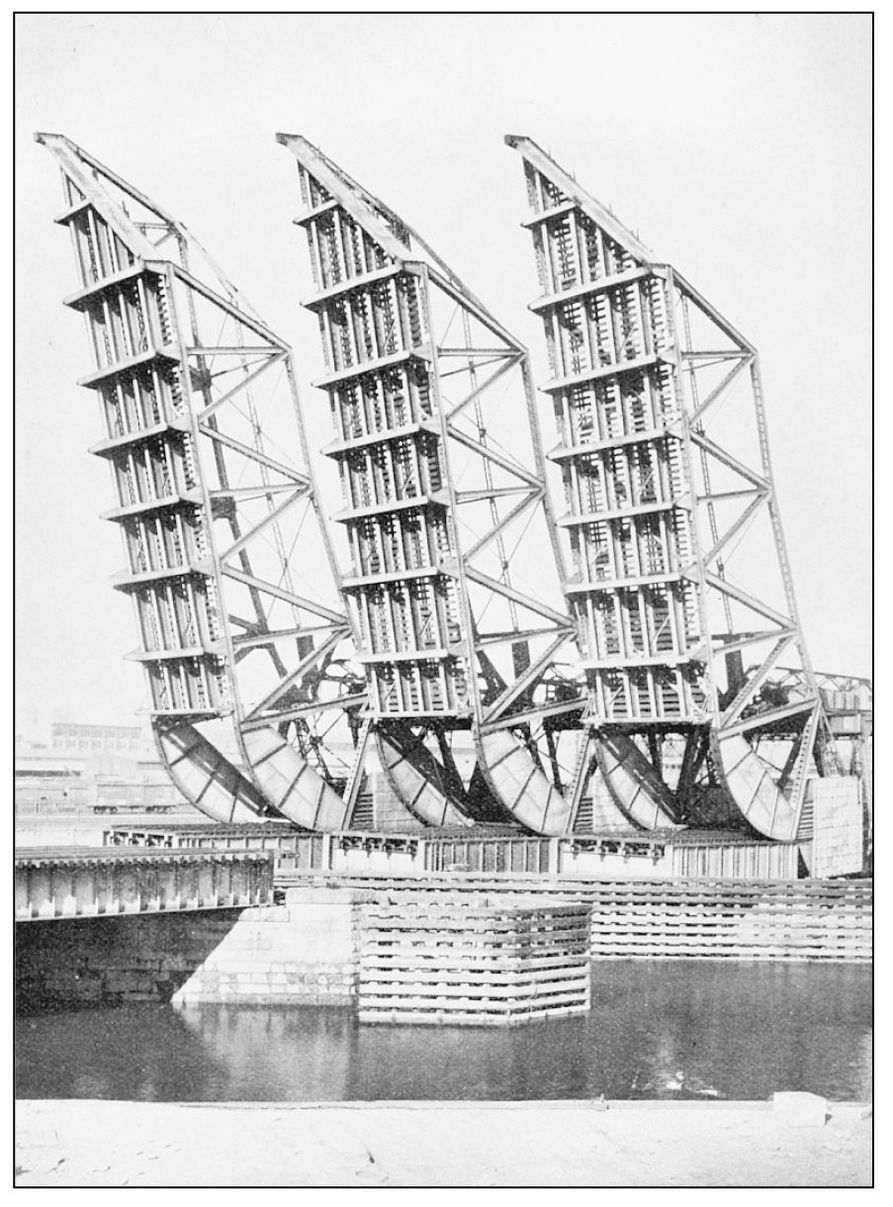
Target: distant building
[
  {"x": 97, "y": 768},
  {"x": 91, "y": 740}
]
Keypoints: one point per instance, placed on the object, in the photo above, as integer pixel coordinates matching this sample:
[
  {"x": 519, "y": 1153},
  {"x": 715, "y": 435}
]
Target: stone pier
[{"x": 303, "y": 952}]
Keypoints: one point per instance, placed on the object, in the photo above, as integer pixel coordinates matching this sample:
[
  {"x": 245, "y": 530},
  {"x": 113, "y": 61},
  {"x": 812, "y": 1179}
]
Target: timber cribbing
[
  {"x": 489, "y": 961},
  {"x": 789, "y": 920}
]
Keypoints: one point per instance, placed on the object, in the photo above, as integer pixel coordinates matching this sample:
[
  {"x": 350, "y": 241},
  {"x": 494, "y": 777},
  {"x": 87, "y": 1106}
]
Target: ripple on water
[{"x": 662, "y": 1029}]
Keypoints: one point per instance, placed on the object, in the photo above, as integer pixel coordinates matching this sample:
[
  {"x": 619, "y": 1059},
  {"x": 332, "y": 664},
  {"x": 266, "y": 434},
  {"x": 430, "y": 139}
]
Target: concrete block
[
  {"x": 799, "y": 1109},
  {"x": 316, "y": 896}
]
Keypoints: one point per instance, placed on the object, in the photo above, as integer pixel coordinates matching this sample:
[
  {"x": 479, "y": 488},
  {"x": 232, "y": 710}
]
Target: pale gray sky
[{"x": 738, "y": 146}]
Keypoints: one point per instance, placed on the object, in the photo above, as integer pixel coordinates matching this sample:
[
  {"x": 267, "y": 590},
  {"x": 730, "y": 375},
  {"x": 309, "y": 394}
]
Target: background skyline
[{"x": 739, "y": 147}]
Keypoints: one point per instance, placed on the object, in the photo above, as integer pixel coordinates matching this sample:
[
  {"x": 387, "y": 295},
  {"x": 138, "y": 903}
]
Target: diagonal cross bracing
[{"x": 397, "y": 385}]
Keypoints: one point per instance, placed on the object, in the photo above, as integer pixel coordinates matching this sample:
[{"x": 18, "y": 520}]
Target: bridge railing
[
  {"x": 361, "y": 851},
  {"x": 53, "y": 883}
]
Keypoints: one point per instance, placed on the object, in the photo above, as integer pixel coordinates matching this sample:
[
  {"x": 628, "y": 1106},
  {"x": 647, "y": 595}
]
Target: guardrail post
[
  {"x": 325, "y": 855},
  {"x": 561, "y": 849},
  {"x": 554, "y": 861}
]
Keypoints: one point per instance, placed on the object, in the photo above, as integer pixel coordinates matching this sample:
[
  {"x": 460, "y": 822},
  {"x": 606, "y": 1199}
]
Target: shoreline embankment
[{"x": 95, "y": 1142}]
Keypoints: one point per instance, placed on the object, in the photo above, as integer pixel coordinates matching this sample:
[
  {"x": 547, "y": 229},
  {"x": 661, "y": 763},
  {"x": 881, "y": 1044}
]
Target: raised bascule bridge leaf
[
  {"x": 664, "y": 457},
  {"x": 248, "y": 658},
  {"x": 633, "y": 663},
  {"x": 437, "y": 444}
]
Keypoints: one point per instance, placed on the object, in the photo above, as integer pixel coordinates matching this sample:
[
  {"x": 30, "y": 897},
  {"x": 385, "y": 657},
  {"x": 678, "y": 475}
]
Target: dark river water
[{"x": 740, "y": 1030}]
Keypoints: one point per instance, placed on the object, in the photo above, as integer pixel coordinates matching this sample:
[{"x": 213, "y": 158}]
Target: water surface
[{"x": 741, "y": 1030}]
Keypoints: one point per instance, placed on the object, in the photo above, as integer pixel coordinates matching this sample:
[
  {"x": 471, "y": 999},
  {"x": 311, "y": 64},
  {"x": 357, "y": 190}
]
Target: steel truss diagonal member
[
  {"x": 664, "y": 456},
  {"x": 216, "y": 503},
  {"x": 445, "y": 520}
]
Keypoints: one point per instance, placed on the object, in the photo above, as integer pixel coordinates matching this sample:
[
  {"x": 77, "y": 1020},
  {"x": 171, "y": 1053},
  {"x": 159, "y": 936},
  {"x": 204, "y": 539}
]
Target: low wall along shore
[{"x": 413, "y": 1144}]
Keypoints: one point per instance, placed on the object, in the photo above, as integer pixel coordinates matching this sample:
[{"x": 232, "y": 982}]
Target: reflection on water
[{"x": 656, "y": 1030}]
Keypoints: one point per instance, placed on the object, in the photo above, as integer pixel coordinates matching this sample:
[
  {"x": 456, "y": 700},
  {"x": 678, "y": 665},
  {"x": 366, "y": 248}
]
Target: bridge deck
[
  {"x": 75, "y": 882},
  {"x": 609, "y": 852}
]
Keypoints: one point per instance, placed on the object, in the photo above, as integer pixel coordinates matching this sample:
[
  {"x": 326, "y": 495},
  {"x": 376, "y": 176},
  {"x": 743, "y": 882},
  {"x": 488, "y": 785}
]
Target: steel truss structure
[
  {"x": 664, "y": 457},
  {"x": 217, "y": 506},
  {"x": 441, "y": 485},
  {"x": 657, "y": 678}
]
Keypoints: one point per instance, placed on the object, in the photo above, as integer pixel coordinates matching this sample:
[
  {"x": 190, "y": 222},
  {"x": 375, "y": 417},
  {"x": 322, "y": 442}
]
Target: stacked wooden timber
[
  {"x": 670, "y": 918},
  {"x": 484, "y": 961},
  {"x": 794, "y": 920}
]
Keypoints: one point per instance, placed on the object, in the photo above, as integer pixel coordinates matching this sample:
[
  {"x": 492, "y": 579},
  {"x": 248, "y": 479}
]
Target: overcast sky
[{"x": 737, "y": 146}]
